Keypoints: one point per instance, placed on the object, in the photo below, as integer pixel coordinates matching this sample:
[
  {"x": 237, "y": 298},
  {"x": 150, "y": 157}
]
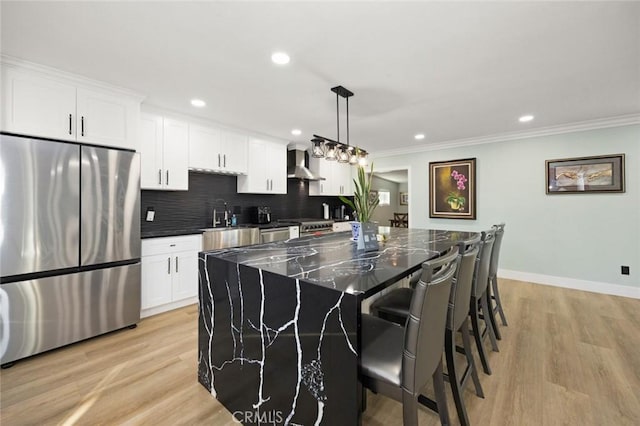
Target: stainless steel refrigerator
[{"x": 69, "y": 243}]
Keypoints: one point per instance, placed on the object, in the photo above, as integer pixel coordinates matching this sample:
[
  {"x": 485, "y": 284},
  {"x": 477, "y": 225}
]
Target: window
[{"x": 385, "y": 198}]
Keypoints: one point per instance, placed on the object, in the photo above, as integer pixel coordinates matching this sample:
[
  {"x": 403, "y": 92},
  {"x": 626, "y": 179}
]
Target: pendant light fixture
[{"x": 334, "y": 150}]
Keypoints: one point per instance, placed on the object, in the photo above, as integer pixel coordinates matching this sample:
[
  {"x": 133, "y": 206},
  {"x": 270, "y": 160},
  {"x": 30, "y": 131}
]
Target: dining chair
[
  {"x": 479, "y": 305},
  {"x": 401, "y": 220},
  {"x": 493, "y": 277},
  {"x": 397, "y": 306},
  {"x": 398, "y": 361}
]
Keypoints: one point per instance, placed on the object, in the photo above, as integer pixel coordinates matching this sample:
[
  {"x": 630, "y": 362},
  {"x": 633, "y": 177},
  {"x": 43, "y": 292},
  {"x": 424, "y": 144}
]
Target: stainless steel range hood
[{"x": 297, "y": 166}]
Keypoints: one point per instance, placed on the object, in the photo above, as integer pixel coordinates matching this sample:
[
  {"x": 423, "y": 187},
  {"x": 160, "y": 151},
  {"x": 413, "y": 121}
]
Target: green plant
[{"x": 364, "y": 203}]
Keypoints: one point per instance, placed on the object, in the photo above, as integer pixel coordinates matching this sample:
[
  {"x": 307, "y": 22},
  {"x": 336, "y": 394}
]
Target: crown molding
[
  {"x": 64, "y": 76},
  {"x": 601, "y": 123}
]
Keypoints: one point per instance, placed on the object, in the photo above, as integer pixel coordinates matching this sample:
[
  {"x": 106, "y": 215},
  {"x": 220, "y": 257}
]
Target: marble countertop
[{"x": 332, "y": 261}]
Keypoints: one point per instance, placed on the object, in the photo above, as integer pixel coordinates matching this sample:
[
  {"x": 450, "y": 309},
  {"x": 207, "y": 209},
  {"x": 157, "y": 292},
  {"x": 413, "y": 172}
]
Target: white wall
[{"x": 573, "y": 240}]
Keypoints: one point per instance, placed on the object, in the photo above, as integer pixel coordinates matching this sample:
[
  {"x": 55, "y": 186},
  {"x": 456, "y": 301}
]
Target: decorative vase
[
  {"x": 355, "y": 230},
  {"x": 455, "y": 205}
]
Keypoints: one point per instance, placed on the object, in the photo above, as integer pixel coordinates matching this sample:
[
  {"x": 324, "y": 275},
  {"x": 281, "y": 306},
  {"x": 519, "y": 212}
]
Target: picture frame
[
  {"x": 404, "y": 198},
  {"x": 452, "y": 189},
  {"x": 582, "y": 175}
]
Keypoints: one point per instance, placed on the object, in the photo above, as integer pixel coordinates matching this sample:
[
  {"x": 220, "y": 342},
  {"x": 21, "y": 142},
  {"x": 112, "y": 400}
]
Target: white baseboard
[
  {"x": 592, "y": 286},
  {"x": 168, "y": 307}
]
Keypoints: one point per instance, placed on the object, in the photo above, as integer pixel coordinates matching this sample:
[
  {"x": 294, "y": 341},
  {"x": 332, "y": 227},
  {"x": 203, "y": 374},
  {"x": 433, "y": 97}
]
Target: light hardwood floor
[{"x": 567, "y": 357}]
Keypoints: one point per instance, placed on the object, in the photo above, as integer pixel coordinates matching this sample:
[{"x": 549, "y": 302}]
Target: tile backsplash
[{"x": 194, "y": 208}]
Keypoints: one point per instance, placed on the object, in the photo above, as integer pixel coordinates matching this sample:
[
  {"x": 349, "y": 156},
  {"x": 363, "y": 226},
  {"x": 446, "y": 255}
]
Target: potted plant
[{"x": 364, "y": 202}]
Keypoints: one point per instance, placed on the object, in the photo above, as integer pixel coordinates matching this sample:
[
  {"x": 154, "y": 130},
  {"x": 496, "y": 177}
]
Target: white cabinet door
[
  {"x": 175, "y": 156},
  {"x": 156, "y": 280},
  {"x": 38, "y": 106},
  {"x": 185, "y": 275},
  {"x": 277, "y": 168},
  {"x": 151, "y": 151},
  {"x": 343, "y": 183},
  {"x": 204, "y": 148},
  {"x": 106, "y": 119},
  {"x": 322, "y": 168},
  {"x": 256, "y": 180},
  {"x": 234, "y": 152}
]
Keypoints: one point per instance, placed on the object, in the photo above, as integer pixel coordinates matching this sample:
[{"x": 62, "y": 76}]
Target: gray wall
[
  {"x": 382, "y": 214},
  {"x": 577, "y": 236}
]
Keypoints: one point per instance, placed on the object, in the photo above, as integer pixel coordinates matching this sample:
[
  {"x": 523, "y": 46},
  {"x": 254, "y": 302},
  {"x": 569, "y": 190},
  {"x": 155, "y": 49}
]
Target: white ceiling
[{"x": 451, "y": 70}]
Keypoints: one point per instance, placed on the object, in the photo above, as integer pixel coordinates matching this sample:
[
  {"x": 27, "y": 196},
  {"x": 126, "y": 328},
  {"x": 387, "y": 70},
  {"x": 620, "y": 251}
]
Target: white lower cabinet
[{"x": 169, "y": 273}]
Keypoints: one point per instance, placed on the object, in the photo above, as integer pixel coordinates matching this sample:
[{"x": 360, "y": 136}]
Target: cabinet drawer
[{"x": 153, "y": 246}]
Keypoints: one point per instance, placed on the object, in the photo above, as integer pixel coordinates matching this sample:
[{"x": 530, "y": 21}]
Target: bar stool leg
[
  {"x": 486, "y": 313},
  {"x": 477, "y": 334},
  {"x": 496, "y": 296},
  {"x": 456, "y": 388},
  {"x": 492, "y": 317},
  {"x": 466, "y": 343}
]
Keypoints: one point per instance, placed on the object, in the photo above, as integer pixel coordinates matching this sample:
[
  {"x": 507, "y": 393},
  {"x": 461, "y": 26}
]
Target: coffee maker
[{"x": 262, "y": 215}]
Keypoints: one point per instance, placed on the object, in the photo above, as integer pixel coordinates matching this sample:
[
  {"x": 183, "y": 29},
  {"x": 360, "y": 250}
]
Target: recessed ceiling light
[
  {"x": 198, "y": 103},
  {"x": 280, "y": 58},
  {"x": 296, "y": 132},
  {"x": 525, "y": 118},
  {"x": 419, "y": 136}
]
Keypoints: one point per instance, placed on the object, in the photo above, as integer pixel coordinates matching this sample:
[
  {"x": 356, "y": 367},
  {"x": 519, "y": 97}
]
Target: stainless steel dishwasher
[{"x": 270, "y": 235}]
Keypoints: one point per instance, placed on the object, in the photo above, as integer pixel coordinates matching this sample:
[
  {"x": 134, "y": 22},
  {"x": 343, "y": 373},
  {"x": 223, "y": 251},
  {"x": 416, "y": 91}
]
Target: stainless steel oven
[{"x": 312, "y": 226}]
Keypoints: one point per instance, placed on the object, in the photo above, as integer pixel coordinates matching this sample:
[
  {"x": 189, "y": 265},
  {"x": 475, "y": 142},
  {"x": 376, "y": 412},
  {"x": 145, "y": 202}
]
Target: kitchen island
[{"x": 278, "y": 328}]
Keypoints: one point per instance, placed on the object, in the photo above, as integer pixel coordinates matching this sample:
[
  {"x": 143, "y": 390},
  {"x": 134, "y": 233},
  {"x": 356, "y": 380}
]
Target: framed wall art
[
  {"x": 404, "y": 198},
  {"x": 452, "y": 189},
  {"x": 585, "y": 174}
]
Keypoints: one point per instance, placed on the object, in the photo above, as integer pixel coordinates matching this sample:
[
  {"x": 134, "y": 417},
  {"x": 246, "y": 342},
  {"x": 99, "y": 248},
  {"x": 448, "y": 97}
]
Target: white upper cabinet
[
  {"x": 37, "y": 106},
  {"x": 338, "y": 178},
  {"x": 267, "y": 168},
  {"x": 217, "y": 150},
  {"x": 106, "y": 119},
  {"x": 204, "y": 147},
  {"x": 234, "y": 152},
  {"x": 51, "y": 105},
  {"x": 164, "y": 153}
]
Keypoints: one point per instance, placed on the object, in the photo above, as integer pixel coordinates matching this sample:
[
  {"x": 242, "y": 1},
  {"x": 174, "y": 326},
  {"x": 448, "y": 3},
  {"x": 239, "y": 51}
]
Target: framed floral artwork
[
  {"x": 585, "y": 174},
  {"x": 452, "y": 189}
]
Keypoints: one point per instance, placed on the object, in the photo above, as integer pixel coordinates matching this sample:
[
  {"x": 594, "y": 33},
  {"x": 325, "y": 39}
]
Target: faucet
[
  {"x": 216, "y": 221},
  {"x": 227, "y": 219}
]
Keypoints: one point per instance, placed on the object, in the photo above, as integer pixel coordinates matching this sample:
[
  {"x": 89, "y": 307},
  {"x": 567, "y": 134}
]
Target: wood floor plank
[{"x": 566, "y": 358}]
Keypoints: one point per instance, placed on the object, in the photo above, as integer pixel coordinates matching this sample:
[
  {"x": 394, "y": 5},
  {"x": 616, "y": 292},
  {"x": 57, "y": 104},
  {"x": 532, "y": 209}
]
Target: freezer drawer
[
  {"x": 46, "y": 313},
  {"x": 39, "y": 202},
  {"x": 110, "y": 212}
]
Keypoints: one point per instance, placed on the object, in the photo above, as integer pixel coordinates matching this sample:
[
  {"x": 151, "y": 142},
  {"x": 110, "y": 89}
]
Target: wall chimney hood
[{"x": 298, "y": 166}]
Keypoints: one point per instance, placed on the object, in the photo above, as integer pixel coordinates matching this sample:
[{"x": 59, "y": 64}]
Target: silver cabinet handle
[
  {"x": 167, "y": 177},
  {"x": 70, "y": 120},
  {"x": 321, "y": 188},
  {"x": 224, "y": 157},
  {"x": 159, "y": 176},
  {"x": 267, "y": 184},
  {"x": 168, "y": 266},
  {"x": 218, "y": 160},
  {"x": 271, "y": 184},
  {"x": 82, "y": 126},
  {"x": 176, "y": 264}
]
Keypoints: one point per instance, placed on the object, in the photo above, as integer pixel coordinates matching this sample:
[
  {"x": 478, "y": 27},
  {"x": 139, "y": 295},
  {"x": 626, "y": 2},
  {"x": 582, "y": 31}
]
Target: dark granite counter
[
  {"x": 278, "y": 332},
  {"x": 332, "y": 261}
]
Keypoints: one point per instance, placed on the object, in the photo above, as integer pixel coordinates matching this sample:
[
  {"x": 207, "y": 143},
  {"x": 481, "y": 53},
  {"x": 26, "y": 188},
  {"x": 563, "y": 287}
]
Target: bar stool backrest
[
  {"x": 481, "y": 274},
  {"x": 495, "y": 253},
  {"x": 425, "y": 327},
  {"x": 462, "y": 283}
]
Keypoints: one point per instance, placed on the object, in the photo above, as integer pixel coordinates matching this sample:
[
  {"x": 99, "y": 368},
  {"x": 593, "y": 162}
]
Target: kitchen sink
[{"x": 219, "y": 238}]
